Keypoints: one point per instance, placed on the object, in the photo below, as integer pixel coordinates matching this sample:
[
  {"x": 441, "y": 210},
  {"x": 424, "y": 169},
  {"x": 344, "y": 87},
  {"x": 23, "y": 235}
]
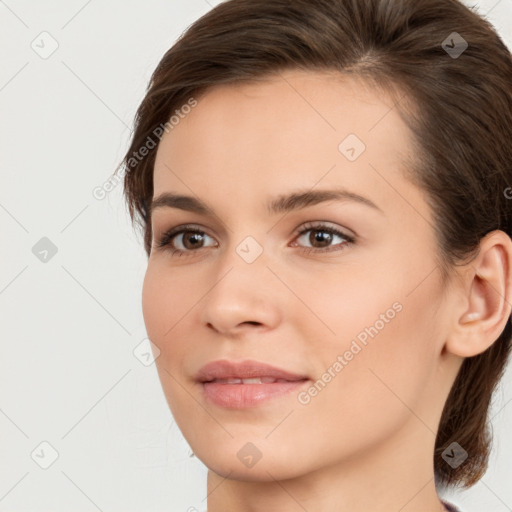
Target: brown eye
[
  {"x": 182, "y": 240},
  {"x": 321, "y": 238}
]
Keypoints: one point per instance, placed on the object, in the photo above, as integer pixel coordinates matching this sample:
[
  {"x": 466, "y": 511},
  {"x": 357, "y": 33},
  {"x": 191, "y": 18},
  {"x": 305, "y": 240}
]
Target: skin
[{"x": 366, "y": 440}]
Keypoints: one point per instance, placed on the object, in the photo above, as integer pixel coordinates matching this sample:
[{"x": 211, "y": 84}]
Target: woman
[{"x": 323, "y": 189}]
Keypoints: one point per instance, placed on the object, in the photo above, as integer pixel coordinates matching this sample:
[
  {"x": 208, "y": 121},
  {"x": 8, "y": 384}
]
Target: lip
[
  {"x": 224, "y": 369},
  {"x": 238, "y": 396}
]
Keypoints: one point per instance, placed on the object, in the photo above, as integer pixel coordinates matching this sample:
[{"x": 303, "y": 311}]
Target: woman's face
[{"x": 359, "y": 314}]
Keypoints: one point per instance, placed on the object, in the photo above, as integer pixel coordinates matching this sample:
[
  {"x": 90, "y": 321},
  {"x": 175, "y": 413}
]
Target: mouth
[{"x": 246, "y": 384}]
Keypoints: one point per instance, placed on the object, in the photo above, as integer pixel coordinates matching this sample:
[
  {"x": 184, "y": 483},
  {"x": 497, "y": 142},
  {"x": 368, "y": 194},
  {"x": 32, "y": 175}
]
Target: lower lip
[{"x": 238, "y": 396}]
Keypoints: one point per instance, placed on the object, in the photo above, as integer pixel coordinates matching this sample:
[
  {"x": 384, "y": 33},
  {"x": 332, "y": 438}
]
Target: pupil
[
  {"x": 325, "y": 237},
  {"x": 192, "y": 237}
]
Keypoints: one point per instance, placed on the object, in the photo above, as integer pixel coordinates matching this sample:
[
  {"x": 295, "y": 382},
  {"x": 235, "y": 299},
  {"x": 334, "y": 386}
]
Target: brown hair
[{"x": 459, "y": 107}]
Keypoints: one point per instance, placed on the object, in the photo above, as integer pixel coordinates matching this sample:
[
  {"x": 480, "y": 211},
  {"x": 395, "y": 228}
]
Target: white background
[{"x": 69, "y": 326}]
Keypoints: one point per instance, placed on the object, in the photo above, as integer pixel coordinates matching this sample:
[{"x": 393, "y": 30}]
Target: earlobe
[{"x": 487, "y": 297}]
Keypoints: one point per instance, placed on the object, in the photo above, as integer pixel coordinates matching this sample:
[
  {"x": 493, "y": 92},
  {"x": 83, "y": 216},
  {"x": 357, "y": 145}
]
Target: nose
[{"x": 244, "y": 296}]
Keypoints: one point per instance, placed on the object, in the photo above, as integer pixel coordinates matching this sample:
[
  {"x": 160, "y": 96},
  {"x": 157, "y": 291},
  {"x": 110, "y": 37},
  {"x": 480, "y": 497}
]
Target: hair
[{"x": 458, "y": 108}]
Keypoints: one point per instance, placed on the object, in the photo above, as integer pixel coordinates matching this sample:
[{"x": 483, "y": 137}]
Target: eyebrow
[{"x": 281, "y": 204}]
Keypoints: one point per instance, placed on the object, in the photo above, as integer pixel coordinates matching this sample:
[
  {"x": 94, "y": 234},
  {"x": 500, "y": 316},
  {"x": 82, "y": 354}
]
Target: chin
[{"x": 229, "y": 464}]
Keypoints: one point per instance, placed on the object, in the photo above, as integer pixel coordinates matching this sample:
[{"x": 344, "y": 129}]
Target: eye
[
  {"x": 189, "y": 239},
  {"x": 326, "y": 237},
  {"x": 188, "y": 243}
]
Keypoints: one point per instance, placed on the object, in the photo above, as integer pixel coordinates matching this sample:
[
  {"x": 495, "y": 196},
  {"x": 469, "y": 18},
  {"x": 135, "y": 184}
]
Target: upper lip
[{"x": 224, "y": 369}]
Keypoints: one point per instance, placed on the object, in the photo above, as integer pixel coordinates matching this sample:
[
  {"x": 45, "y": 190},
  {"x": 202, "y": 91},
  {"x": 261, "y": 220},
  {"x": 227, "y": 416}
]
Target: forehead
[{"x": 293, "y": 127}]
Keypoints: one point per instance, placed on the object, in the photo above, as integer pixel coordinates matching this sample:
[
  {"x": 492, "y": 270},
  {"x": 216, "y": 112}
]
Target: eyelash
[{"x": 165, "y": 240}]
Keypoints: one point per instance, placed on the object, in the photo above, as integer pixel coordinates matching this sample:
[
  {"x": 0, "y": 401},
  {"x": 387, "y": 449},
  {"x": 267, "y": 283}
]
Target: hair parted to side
[{"x": 458, "y": 109}]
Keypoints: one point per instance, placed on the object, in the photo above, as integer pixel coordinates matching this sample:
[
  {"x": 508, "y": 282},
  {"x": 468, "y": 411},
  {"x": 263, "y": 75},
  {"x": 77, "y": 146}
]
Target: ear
[{"x": 485, "y": 297}]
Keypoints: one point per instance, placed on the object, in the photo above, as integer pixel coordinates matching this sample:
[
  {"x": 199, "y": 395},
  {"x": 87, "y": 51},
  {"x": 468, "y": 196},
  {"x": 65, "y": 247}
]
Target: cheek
[
  {"x": 153, "y": 306},
  {"x": 164, "y": 313},
  {"x": 162, "y": 310},
  {"x": 169, "y": 302},
  {"x": 373, "y": 395},
  {"x": 386, "y": 345},
  {"x": 162, "y": 302}
]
